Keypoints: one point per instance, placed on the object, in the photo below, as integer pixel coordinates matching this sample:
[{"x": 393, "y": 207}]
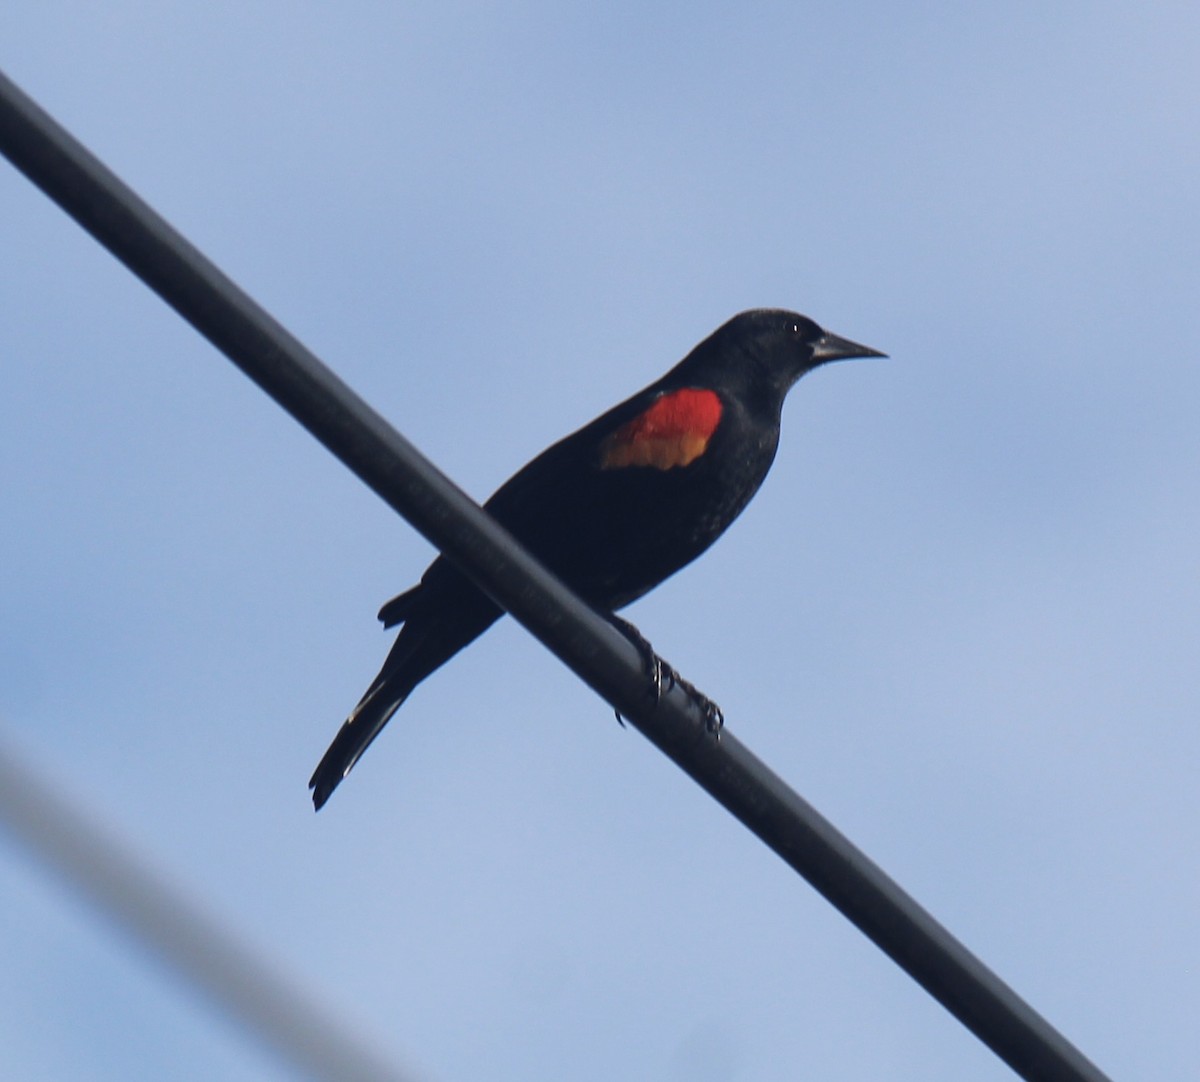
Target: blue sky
[{"x": 961, "y": 617}]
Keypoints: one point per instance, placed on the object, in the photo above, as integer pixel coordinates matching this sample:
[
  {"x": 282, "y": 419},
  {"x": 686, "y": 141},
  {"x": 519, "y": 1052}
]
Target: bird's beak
[{"x": 829, "y": 347}]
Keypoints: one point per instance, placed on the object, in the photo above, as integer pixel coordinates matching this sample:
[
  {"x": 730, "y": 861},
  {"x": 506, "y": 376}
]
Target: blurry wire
[
  {"x": 297, "y": 380},
  {"x": 171, "y": 927}
]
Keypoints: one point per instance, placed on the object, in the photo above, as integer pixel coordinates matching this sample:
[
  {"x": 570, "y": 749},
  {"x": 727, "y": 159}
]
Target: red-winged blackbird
[{"x": 616, "y": 507}]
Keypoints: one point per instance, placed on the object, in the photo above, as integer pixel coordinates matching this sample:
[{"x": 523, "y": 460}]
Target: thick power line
[{"x": 385, "y": 460}]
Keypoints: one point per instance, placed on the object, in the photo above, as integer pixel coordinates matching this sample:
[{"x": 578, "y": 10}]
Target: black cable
[{"x": 381, "y": 457}]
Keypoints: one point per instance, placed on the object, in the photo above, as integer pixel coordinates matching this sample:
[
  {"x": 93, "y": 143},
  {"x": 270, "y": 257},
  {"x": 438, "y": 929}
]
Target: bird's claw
[
  {"x": 714, "y": 716},
  {"x": 656, "y": 670},
  {"x": 653, "y": 665},
  {"x": 661, "y": 672}
]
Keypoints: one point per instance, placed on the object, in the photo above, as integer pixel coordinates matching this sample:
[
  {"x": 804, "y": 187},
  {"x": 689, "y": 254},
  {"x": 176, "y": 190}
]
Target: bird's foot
[
  {"x": 714, "y": 716},
  {"x": 663, "y": 676},
  {"x": 656, "y": 669}
]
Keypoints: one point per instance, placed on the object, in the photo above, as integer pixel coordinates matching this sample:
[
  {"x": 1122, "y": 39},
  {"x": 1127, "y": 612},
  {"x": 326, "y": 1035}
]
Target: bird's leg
[{"x": 662, "y": 672}]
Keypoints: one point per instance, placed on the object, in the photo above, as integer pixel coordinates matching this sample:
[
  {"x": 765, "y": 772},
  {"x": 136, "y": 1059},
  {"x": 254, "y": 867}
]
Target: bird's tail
[
  {"x": 436, "y": 626},
  {"x": 366, "y": 721}
]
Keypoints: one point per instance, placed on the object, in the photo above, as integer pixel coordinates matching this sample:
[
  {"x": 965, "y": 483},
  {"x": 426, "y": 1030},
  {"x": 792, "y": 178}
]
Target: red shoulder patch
[{"x": 674, "y": 431}]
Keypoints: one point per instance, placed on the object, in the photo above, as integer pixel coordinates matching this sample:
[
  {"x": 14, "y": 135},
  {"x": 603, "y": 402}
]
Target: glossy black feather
[{"x": 611, "y": 534}]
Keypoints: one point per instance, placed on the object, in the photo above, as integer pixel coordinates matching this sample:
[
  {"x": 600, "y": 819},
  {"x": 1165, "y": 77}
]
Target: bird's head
[{"x": 783, "y": 345}]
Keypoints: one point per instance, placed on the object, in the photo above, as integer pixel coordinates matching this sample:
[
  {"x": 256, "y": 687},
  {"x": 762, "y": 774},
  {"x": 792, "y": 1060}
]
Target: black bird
[{"x": 615, "y": 508}]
